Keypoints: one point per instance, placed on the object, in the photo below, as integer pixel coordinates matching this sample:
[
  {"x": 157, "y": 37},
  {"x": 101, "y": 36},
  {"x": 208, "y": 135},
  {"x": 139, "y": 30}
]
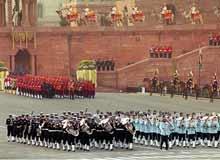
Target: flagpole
[
  {"x": 200, "y": 65},
  {"x": 199, "y": 75}
]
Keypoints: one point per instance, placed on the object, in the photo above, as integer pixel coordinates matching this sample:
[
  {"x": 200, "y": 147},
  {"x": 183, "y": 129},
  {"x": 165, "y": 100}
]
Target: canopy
[{"x": 87, "y": 71}]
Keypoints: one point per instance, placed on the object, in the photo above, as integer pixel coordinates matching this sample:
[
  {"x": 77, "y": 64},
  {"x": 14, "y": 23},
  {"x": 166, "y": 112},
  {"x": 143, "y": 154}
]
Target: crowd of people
[
  {"x": 105, "y": 65},
  {"x": 83, "y": 130},
  {"x": 161, "y": 52},
  {"x": 48, "y": 87},
  {"x": 214, "y": 39}
]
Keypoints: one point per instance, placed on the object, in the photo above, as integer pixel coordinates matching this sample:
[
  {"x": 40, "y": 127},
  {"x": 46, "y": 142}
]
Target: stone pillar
[
  {"x": 12, "y": 63},
  {"x": 25, "y": 13},
  {"x": 9, "y": 13},
  {"x": 33, "y": 62},
  {"x": 2, "y": 12},
  {"x": 33, "y": 12}
]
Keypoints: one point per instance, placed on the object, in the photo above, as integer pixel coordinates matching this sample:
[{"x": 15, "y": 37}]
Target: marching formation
[
  {"x": 177, "y": 129},
  {"x": 83, "y": 130},
  {"x": 161, "y": 52},
  {"x": 214, "y": 39},
  {"x": 48, "y": 87},
  {"x": 71, "y": 131}
]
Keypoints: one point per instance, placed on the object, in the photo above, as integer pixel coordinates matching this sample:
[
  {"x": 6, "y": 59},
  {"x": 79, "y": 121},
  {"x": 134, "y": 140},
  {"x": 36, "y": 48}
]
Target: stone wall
[
  {"x": 132, "y": 46},
  {"x": 59, "y": 50},
  {"x": 133, "y": 75},
  {"x": 107, "y": 79},
  {"x": 210, "y": 64}
]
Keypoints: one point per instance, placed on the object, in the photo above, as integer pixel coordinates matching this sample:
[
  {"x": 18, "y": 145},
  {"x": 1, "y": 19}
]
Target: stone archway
[{"x": 22, "y": 62}]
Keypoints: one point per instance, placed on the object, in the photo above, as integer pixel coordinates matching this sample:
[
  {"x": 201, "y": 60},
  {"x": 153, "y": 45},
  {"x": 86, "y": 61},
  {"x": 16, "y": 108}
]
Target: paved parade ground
[{"x": 10, "y": 104}]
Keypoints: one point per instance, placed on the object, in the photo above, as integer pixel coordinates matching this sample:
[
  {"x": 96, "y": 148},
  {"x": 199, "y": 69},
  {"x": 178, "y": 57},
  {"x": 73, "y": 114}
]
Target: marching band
[
  {"x": 72, "y": 131},
  {"x": 177, "y": 129},
  {"x": 82, "y": 130}
]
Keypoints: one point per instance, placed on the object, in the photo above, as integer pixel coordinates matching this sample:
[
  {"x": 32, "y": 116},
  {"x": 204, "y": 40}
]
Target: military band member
[
  {"x": 204, "y": 129},
  {"x": 129, "y": 132},
  {"x": 181, "y": 131},
  {"x": 213, "y": 126},
  {"x": 215, "y": 85},
  {"x": 137, "y": 126},
  {"x": 142, "y": 127},
  {"x": 198, "y": 129},
  {"x": 165, "y": 131},
  {"x": 191, "y": 129},
  {"x": 10, "y": 133},
  {"x": 147, "y": 129},
  {"x": 72, "y": 131}
]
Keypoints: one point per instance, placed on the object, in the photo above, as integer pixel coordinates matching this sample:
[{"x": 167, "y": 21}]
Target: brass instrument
[
  {"x": 85, "y": 128},
  {"x": 130, "y": 128},
  {"x": 70, "y": 129},
  {"x": 108, "y": 127}
]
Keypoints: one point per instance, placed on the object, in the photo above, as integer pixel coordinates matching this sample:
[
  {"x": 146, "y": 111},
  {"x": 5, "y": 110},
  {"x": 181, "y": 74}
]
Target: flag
[{"x": 200, "y": 58}]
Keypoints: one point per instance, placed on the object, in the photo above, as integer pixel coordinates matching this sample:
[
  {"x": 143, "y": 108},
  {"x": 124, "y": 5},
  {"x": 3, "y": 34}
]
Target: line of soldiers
[
  {"x": 214, "y": 40},
  {"x": 161, "y": 52},
  {"x": 48, "y": 87},
  {"x": 179, "y": 130},
  {"x": 71, "y": 131},
  {"x": 105, "y": 65}
]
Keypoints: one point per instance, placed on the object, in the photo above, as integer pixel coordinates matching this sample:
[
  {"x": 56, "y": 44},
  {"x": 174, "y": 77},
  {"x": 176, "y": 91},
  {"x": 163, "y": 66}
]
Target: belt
[
  {"x": 119, "y": 129},
  {"x": 44, "y": 129},
  {"x": 55, "y": 131}
]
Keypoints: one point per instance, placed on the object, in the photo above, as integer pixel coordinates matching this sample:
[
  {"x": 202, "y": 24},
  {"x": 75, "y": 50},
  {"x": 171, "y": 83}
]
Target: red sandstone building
[{"x": 43, "y": 50}]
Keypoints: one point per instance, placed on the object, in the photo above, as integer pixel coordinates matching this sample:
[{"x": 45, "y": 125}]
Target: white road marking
[{"x": 158, "y": 156}]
